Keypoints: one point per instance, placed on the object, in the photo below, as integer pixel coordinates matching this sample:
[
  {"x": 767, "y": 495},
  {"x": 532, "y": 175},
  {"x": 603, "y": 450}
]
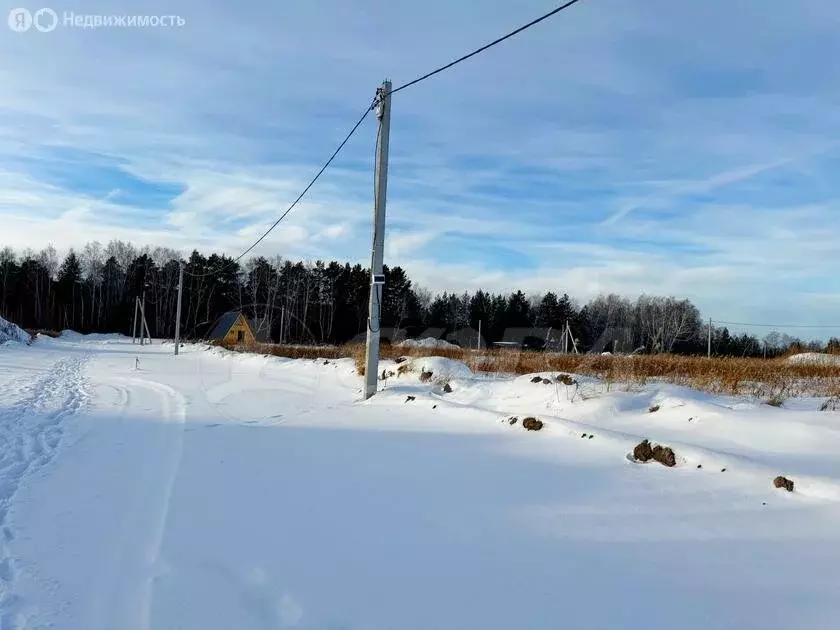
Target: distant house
[
  {"x": 433, "y": 333},
  {"x": 526, "y": 338},
  {"x": 465, "y": 337},
  {"x": 233, "y": 327}
]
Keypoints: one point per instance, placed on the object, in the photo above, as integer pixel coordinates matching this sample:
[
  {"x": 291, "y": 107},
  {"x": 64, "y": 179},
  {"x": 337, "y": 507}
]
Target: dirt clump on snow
[
  {"x": 537, "y": 379},
  {"x": 832, "y": 404},
  {"x": 665, "y": 456},
  {"x": 645, "y": 452},
  {"x": 513, "y": 420},
  {"x": 447, "y": 388},
  {"x": 425, "y": 376},
  {"x": 783, "y": 482},
  {"x": 409, "y": 398},
  {"x": 653, "y": 408},
  {"x": 532, "y": 424},
  {"x": 565, "y": 379}
]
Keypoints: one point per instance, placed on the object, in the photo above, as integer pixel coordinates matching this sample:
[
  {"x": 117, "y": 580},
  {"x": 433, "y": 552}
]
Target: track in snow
[{"x": 30, "y": 434}]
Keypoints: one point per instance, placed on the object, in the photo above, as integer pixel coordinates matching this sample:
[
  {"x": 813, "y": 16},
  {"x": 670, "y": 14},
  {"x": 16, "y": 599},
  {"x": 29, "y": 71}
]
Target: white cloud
[
  {"x": 399, "y": 244},
  {"x": 609, "y": 110}
]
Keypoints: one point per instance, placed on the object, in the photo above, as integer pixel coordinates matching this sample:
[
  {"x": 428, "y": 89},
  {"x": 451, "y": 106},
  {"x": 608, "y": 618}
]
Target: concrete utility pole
[
  {"x": 709, "y": 351},
  {"x": 143, "y": 317},
  {"x": 134, "y": 327},
  {"x": 178, "y": 308},
  {"x": 377, "y": 278},
  {"x": 146, "y": 324},
  {"x": 282, "y": 322},
  {"x": 566, "y": 338}
]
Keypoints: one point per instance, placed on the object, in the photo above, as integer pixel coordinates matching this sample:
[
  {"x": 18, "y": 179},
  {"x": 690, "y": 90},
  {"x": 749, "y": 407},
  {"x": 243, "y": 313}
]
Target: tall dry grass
[{"x": 768, "y": 379}]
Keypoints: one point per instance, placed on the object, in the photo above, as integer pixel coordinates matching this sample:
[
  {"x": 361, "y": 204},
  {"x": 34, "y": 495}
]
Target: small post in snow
[{"x": 136, "y": 363}]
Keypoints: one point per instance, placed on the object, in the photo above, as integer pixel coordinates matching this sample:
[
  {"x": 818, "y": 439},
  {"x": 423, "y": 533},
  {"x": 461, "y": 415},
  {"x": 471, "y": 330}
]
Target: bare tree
[
  {"x": 7, "y": 262},
  {"x": 666, "y": 321}
]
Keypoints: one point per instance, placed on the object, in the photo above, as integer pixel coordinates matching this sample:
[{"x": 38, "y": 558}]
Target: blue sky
[{"x": 661, "y": 147}]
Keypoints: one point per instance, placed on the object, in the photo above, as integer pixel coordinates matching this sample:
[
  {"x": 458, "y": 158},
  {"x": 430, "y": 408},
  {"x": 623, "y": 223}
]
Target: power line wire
[
  {"x": 477, "y": 51},
  {"x": 294, "y": 203},
  {"x": 419, "y": 79},
  {"x": 804, "y": 326}
]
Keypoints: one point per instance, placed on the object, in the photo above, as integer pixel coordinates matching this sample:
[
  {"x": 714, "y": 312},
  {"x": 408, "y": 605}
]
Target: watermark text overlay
[{"x": 46, "y": 20}]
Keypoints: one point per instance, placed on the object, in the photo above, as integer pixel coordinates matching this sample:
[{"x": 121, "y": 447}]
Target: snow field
[{"x": 220, "y": 490}]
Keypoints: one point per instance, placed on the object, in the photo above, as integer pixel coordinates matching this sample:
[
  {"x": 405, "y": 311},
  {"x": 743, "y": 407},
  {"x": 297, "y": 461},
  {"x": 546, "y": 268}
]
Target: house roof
[
  {"x": 518, "y": 334},
  {"x": 225, "y": 322}
]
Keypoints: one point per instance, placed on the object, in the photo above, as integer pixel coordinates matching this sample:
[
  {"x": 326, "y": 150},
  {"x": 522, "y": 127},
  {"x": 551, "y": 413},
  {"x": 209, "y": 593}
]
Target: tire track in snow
[
  {"x": 30, "y": 435},
  {"x": 173, "y": 410}
]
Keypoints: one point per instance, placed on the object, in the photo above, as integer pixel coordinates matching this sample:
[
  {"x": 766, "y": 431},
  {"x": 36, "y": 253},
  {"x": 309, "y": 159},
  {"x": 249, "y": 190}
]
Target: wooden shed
[{"x": 233, "y": 327}]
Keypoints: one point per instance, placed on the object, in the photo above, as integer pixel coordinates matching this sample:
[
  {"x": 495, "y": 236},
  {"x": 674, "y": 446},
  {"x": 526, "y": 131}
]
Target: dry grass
[{"x": 765, "y": 379}]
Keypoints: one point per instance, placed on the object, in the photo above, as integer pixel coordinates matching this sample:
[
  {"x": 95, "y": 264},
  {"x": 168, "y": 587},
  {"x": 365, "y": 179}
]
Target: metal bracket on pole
[{"x": 377, "y": 277}]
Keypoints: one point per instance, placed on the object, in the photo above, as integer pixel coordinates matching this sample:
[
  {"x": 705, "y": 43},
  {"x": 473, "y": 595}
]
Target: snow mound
[
  {"x": 427, "y": 343},
  {"x": 72, "y": 335},
  {"x": 11, "y": 332},
  {"x": 440, "y": 367},
  {"x": 814, "y": 358}
]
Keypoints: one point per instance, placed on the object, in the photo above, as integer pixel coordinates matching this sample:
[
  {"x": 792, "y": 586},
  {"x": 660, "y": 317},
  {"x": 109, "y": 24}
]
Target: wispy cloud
[{"x": 706, "y": 185}]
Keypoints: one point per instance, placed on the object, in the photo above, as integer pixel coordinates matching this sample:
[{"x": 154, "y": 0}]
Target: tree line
[{"x": 93, "y": 289}]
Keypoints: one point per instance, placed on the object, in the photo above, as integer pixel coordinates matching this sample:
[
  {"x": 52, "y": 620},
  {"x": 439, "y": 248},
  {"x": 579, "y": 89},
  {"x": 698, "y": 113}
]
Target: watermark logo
[
  {"x": 47, "y": 20},
  {"x": 44, "y": 20},
  {"x": 20, "y": 20}
]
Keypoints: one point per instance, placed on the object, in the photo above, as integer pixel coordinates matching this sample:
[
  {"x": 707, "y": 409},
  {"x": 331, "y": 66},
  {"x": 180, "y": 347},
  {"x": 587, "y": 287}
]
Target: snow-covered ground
[
  {"x": 815, "y": 358},
  {"x": 215, "y": 490},
  {"x": 427, "y": 343}
]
